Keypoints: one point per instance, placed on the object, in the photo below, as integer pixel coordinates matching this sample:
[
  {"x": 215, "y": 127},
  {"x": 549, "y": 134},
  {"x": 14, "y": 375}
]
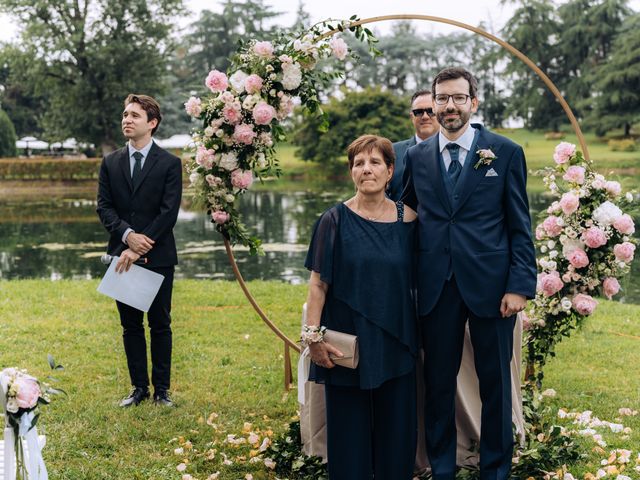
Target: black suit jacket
[
  {"x": 395, "y": 185},
  {"x": 150, "y": 208}
]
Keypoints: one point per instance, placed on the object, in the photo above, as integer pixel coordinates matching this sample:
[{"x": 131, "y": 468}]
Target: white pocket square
[{"x": 491, "y": 173}]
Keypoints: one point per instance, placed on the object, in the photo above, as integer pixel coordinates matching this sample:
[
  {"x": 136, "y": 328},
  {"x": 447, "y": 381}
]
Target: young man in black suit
[{"x": 139, "y": 192}]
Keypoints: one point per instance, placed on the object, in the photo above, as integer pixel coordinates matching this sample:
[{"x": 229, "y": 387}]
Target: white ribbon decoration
[
  {"x": 304, "y": 363},
  {"x": 36, "y": 469}
]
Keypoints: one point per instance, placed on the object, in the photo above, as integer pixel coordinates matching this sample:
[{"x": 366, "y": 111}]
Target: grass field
[{"x": 227, "y": 362}]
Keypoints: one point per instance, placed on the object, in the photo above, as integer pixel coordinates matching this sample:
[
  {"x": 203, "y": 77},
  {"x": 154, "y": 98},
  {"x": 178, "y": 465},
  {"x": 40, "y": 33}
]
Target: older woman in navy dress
[{"x": 361, "y": 265}]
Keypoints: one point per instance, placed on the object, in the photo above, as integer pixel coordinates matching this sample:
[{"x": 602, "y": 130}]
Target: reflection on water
[{"x": 57, "y": 239}]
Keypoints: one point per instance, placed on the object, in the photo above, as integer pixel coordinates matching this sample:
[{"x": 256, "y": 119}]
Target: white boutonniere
[{"x": 486, "y": 157}]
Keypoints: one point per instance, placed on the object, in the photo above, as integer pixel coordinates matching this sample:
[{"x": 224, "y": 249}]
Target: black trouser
[
  {"x": 372, "y": 433},
  {"x": 135, "y": 346},
  {"x": 492, "y": 339}
]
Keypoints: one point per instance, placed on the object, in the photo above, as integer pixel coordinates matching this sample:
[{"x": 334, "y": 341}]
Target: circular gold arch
[{"x": 290, "y": 344}]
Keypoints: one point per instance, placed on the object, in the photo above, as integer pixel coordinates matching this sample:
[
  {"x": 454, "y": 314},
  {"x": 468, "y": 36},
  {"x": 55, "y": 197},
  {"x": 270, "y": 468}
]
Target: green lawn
[{"x": 227, "y": 362}]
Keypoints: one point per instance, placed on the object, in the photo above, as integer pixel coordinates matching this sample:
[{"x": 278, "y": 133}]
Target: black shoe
[
  {"x": 137, "y": 395},
  {"x": 162, "y": 398}
]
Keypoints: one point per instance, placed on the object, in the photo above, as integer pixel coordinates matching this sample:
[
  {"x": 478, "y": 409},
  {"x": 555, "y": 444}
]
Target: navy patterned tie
[
  {"x": 454, "y": 167},
  {"x": 136, "y": 168}
]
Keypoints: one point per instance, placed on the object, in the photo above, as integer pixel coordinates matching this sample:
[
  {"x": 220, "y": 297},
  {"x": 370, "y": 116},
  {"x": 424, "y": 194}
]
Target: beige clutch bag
[{"x": 347, "y": 344}]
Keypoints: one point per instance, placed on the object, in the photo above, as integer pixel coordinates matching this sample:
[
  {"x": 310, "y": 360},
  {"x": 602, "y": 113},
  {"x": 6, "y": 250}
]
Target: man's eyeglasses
[
  {"x": 458, "y": 98},
  {"x": 418, "y": 112}
]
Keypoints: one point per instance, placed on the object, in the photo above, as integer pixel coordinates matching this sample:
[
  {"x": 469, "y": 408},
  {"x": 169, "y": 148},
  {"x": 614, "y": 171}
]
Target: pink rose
[
  {"x": 28, "y": 392},
  {"x": 613, "y": 188},
  {"x": 563, "y": 152},
  {"x": 241, "y": 179},
  {"x": 540, "y": 232},
  {"x": 263, "y": 113},
  {"x": 216, "y": 81},
  {"x": 263, "y": 49},
  {"x": 193, "y": 107},
  {"x": 285, "y": 58},
  {"x": 338, "y": 47},
  {"x": 253, "y": 84},
  {"x": 594, "y": 237},
  {"x": 578, "y": 258},
  {"x": 220, "y": 216},
  {"x": 244, "y": 133},
  {"x": 549, "y": 283},
  {"x": 584, "y": 304},
  {"x": 204, "y": 157},
  {"x": 232, "y": 113},
  {"x": 624, "y": 251},
  {"x": 569, "y": 203},
  {"x": 575, "y": 174},
  {"x": 624, "y": 224},
  {"x": 551, "y": 226},
  {"x": 610, "y": 287}
]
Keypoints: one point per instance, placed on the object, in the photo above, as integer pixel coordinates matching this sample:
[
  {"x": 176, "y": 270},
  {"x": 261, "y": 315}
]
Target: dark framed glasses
[
  {"x": 458, "y": 98},
  {"x": 418, "y": 112}
]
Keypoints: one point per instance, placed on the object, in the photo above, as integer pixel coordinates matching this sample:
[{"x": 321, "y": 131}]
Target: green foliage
[
  {"x": 371, "y": 111},
  {"x": 624, "y": 145},
  {"x": 291, "y": 462},
  {"x": 7, "y": 136},
  {"x": 84, "y": 58},
  {"x": 49, "y": 169}
]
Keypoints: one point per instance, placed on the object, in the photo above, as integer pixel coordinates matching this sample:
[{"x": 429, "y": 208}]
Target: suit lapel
[
  {"x": 472, "y": 176},
  {"x": 126, "y": 166},
  {"x": 434, "y": 173},
  {"x": 149, "y": 163}
]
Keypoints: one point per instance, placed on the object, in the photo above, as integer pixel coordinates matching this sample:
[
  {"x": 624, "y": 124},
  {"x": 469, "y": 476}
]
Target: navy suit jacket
[
  {"x": 483, "y": 229},
  {"x": 395, "y": 185},
  {"x": 150, "y": 208}
]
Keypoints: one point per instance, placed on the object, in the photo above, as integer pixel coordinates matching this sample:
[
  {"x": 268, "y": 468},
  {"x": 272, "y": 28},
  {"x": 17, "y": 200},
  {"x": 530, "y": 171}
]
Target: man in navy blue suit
[{"x": 476, "y": 261}]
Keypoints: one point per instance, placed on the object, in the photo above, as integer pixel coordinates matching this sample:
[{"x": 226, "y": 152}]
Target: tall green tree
[
  {"x": 616, "y": 103},
  {"x": 370, "y": 111},
  {"x": 87, "y": 55},
  {"x": 533, "y": 29},
  {"x": 7, "y": 136}
]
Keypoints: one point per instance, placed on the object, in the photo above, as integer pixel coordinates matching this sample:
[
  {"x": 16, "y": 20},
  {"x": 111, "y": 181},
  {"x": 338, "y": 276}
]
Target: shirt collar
[
  {"x": 465, "y": 140},
  {"x": 144, "y": 150}
]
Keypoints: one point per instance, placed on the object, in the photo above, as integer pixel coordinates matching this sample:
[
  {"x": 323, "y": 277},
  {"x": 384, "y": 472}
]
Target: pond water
[{"x": 62, "y": 238}]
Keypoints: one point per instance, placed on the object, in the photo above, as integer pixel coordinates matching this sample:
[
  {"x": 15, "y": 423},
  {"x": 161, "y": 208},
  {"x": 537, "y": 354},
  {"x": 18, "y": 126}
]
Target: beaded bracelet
[{"x": 312, "y": 334}]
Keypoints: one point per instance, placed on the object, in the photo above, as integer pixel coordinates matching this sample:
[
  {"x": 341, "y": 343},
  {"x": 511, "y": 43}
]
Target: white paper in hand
[{"x": 136, "y": 288}]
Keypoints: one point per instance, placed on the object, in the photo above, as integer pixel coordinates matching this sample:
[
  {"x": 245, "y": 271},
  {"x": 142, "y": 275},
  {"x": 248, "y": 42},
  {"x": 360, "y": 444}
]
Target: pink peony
[
  {"x": 253, "y": 84},
  {"x": 549, "y": 283},
  {"x": 28, "y": 391},
  {"x": 216, "y": 81},
  {"x": 220, "y": 216},
  {"x": 569, "y": 203},
  {"x": 204, "y": 157},
  {"x": 193, "y": 107},
  {"x": 241, "y": 179},
  {"x": 584, "y": 304},
  {"x": 613, "y": 188},
  {"x": 594, "y": 237},
  {"x": 339, "y": 47},
  {"x": 232, "y": 113},
  {"x": 610, "y": 287},
  {"x": 624, "y": 224},
  {"x": 263, "y": 49},
  {"x": 563, "y": 152},
  {"x": 551, "y": 226},
  {"x": 244, "y": 133},
  {"x": 624, "y": 251},
  {"x": 575, "y": 174},
  {"x": 578, "y": 258},
  {"x": 263, "y": 113}
]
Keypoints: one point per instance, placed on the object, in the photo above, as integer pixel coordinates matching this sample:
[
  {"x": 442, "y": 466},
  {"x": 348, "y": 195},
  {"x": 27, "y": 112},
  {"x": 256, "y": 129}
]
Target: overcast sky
[{"x": 467, "y": 11}]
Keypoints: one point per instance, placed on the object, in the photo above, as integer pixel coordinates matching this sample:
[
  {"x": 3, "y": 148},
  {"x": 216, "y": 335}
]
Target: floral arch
[{"x": 584, "y": 243}]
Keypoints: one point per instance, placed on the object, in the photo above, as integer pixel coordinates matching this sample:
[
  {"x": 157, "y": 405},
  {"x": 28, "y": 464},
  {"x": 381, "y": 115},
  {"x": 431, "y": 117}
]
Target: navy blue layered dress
[{"x": 368, "y": 266}]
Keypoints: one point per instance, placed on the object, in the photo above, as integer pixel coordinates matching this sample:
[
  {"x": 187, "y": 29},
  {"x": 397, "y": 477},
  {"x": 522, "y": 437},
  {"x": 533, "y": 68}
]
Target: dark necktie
[
  {"x": 136, "y": 168},
  {"x": 454, "y": 167}
]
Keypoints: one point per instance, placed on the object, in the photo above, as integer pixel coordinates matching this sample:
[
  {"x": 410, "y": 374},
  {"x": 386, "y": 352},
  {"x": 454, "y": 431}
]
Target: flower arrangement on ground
[
  {"x": 585, "y": 246},
  {"x": 241, "y": 117}
]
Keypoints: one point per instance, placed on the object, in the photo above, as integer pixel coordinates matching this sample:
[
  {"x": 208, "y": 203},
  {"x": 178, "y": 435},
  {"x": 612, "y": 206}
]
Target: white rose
[
  {"x": 551, "y": 243},
  {"x": 291, "y": 76},
  {"x": 230, "y": 198},
  {"x": 229, "y": 161},
  {"x": 209, "y": 132},
  {"x": 250, "y": 102},
  {"x": 193, "y": 178},
  {"x": 543, "y": 249},
  {"x": 237, "y": 81},
  {"x": 629, "y": 197},
  {"x": 553, "y": 254},
  {"x": 606, "y": 214},
  {"x": 566, "y": 304}
]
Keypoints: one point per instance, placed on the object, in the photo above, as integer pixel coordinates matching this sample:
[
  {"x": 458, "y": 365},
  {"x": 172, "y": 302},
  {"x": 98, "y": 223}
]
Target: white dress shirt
[
  {"x": 464, "y": 141},
  {"x": 132, "y": 161}
]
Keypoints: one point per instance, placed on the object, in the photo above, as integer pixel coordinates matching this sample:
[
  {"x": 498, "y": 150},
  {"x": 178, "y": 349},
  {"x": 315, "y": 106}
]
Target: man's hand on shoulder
[
  {"x": 512, "y": 303},
  {"x": 139, "y": 243},
  {"x": 127, "y": 258}
]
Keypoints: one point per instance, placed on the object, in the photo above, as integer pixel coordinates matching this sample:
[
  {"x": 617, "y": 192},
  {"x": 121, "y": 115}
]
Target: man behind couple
[{"x": 475, "y": 262}]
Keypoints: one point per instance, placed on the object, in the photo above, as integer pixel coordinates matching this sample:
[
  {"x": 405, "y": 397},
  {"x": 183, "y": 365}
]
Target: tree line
[{"x": 76, "y": 60}]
